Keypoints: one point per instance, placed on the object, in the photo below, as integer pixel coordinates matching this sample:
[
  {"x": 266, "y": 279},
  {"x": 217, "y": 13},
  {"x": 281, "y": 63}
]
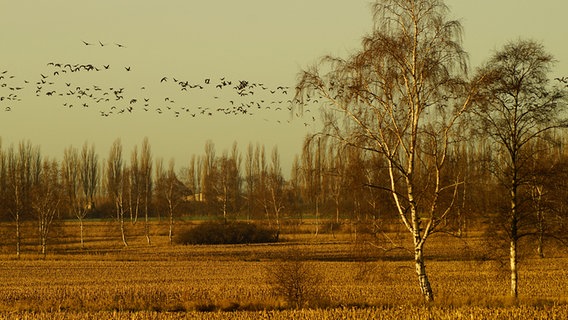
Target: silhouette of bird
[{"x": 86, "y": 43}]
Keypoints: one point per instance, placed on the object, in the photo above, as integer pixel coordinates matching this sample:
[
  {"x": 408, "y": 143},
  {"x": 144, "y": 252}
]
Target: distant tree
[
  {"x": 311, "y": 174},
  {"x": 71, "y": 185},
  {"x": 400, "y": 96},
  {"x": 90, "y": 175},
  {"x": 337, "y": 176},
  {"x": 146, "y": 182},
  {"x": 261, "y": 181},
  {"x": 134, "y": 186},
  {"x": 22, "y": 172},
  {"x": 295, "y": 189},
  {"x": 46, "y": 198},
  {"x": 209, "y": 176},
  {"x": 191, "y": 179},
  {"x": 236, "y": 179},
  {"x": 227, "y": 183},
  {"x": 115, "y": 184},
  {"x": 546, "y": 186},
  {"x": 170, "y": 192},
  {"x": 139, "y": 185},
  {"x": 250, "y": 180},
  {"x": 516, "y": 107},
  {"x": 275, "y": 183}
]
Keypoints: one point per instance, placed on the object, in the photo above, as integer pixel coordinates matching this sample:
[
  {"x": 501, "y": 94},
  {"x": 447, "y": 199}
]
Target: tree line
[{"x": 328, "y": 180}]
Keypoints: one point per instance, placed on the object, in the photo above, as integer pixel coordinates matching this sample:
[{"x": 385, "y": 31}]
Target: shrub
[
  {"x": 227, "y": 233},
  {"x": 297, "y": 282}
]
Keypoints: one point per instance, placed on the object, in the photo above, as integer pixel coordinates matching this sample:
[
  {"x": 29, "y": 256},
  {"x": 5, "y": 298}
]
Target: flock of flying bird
[{"x": 71, "y": 85}]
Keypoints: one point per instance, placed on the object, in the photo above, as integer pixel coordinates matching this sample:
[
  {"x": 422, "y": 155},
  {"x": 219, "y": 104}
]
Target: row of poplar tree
[{"x": 328, "y": 180}]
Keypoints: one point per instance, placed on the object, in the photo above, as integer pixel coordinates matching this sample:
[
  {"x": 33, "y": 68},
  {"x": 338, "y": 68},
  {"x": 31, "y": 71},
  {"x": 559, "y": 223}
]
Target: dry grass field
[{"x": 356, "y": 280}]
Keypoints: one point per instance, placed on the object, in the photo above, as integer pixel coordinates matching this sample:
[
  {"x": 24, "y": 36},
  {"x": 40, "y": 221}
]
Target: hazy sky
[{"x": 261, "y": 41}]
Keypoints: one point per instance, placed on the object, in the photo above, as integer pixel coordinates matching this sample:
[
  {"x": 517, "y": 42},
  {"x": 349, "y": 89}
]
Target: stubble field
[{"x": 356, "y": 280}]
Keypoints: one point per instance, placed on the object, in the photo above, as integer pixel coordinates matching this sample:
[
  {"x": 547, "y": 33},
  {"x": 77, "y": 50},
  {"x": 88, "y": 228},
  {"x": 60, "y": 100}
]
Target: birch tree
[
  {"x": 516, "y": 107},
  {"x": 46, "y": 197},
  {"x": 146, "y": 184},
  {"x": 400, "y": 95},
  {"x": 22, "y": 171},
  {"x": 115, "y": 184},
  {"x": 89, "y": 175},
  {"x": 250, "y": 175},
  {"x": 170, "y": 191},
  {"x": 71, "y": 184},
  {"x": 275, "y": 184}
]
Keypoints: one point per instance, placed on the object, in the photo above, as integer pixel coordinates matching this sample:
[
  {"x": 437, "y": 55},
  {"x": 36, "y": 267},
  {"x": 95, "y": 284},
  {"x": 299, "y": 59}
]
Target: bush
[
  {"x": 297, "y": 282},
  {"x": 227, "y": 233}
]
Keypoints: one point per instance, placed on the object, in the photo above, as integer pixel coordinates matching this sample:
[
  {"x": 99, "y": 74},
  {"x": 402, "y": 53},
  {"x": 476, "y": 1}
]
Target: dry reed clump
[{"x": 298, "y": 282}]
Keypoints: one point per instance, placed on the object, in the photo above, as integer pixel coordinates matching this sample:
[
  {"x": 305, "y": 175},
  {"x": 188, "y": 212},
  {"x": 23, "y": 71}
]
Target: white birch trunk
[
  {"x": 423, "y": 281},
  {"x": 514, "y": 271}
]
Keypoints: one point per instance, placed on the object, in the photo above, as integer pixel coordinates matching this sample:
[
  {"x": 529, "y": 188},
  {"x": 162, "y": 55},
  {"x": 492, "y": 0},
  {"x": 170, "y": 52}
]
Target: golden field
[{"x": 357, "y": 279}]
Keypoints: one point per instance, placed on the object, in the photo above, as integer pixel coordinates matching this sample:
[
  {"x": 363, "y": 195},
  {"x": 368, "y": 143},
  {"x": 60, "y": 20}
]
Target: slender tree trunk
[
  {"x": 171, "y": 231},
  {"x": 82, "y": 228},
  {"x": 423, "y": 281},
  {"x": 120, "y": 216},
  {"x": 18, "y": 236},
  {"x": 147, "y": 228},
  {"x": 514, "y": 240},
  {"x": 44, "y": 244},
  {"x": 514, "y": 271},
  {"x": 541, "y": 227},
  {"x": 122, "y": 233},
  {"x": 419, "y": 263},
  {"x": 540, "y": 242},
  {"x": 146, "y": 218}
]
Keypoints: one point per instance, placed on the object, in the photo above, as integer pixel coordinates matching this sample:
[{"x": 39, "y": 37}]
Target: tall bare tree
[
  {"x": 517, "y": 106},
  {"x": 46, "y": 197},
  {"x": 209, "y": 176},
  {"x": 250, "y": 180},
  {"x": 146, "y": 182},
  {"x": 90, "y": 174},
  {"x": 23, "y": 167},
  {"x": 134, "y": 186},
  {"x": 71, "y": 184},
  {"x": 170, "y": 191},
  {"x": 115, "y": 184},
  {"x": 400, "y": 95},
  {"x": 275, "y": 183}
]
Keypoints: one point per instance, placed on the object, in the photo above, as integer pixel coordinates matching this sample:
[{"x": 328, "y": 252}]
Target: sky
[{"x": 170, "y": 47}]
